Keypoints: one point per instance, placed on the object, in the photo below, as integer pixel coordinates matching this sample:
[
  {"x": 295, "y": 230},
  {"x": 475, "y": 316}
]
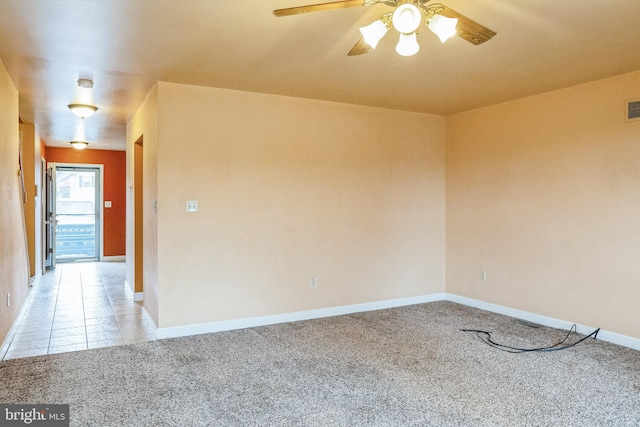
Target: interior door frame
[
  {"x": 49, "y": 219},
  {"x": 51, "y": 167},
  {"x": 44, "y": 213}
]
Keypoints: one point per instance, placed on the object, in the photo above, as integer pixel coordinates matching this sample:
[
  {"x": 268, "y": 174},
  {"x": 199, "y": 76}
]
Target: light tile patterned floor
[{"x": 80, "y": 306}]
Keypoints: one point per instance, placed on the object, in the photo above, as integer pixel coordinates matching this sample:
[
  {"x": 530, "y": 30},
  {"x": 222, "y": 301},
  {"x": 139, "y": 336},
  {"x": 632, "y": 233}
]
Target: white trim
[
  {"x": 34, "y": 280},
  {"x": 16, "y": 322},
  {"x": 149, "y": 319},
  {"x": 114, "y": 258},
  {"x": 99, "y": 197},
  {"x": 137, "y": 296},
  {"x": 101, "y": 201},
  {"x": 603, "y": 335},
  {"x": 227, "y": 325}
]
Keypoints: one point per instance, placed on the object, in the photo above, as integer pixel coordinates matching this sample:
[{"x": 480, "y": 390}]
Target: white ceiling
[{"x": 125, "y": 46}]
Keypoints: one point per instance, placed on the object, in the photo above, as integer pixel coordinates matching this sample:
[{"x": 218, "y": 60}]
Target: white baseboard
[
  {"x": 137, "y": 296},
  {"x": 149, "y": 318},
  {"x": 12, "y": 331},
  {"x": 34, "y": 280},
  {"x": 114, "y": 258},
  {"x": 611, "y": 337},
  {"x": 227, "y": 325}
]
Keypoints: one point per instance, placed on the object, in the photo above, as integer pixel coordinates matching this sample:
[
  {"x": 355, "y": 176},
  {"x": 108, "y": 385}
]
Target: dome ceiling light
[
  {"x": 82, "y": 105},
  {"x": 79, "y": 141}
]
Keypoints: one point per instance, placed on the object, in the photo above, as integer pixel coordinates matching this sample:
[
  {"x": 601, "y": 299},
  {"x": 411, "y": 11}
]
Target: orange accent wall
[{"x": 115, "y": 189}]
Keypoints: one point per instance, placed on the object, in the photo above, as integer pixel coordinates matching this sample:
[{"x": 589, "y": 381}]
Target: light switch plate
[
  {"x": 107, "y": 204},
  {"x": 192, "y": 206}
]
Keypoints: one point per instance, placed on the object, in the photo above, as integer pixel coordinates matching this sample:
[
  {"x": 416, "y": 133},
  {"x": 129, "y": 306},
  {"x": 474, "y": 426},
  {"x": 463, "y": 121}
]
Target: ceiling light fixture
[
  {"x": 407, "y": 45},
  {"x": 406, "y": 20},
  {"x": 79, "y": 145},
  {"x": 79, "y": 141},
  {"x": 82, "y": 105},
  {"x": 443, "y": 27},
  {"x": 373, "y": 32}
]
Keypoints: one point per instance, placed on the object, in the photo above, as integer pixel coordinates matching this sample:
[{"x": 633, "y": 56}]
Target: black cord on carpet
[{"x": 486, "y": 338}]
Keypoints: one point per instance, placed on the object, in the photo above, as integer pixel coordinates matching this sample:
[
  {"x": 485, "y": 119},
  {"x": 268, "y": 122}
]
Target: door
[
  {"x": 75, "y": 213},
  {"x": 50, "y": 218},
  {"x": 44, "y": 215}
]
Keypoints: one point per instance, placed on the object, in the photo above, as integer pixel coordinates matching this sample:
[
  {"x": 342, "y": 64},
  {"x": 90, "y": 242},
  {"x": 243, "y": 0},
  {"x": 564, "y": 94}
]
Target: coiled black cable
[{"x": 486, "y": 338}]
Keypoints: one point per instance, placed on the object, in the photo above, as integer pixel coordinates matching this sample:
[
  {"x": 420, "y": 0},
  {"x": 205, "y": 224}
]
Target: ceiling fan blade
[
  {"x": 360, "y": 48},
  {"x": 467, "y": 28},
  {"x": 318, "y": 7}
]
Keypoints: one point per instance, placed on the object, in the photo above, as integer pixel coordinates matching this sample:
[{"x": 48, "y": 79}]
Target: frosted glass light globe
[{"x": 406, "y": 18}]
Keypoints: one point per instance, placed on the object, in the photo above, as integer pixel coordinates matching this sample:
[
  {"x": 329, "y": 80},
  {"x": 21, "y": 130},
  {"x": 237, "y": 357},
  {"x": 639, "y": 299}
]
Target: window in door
[{"x": 77, "y": 209}]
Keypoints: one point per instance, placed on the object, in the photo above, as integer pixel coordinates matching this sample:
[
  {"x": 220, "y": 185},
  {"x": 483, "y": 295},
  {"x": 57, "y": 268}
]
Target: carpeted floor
[{"x": 410, "y": 366}]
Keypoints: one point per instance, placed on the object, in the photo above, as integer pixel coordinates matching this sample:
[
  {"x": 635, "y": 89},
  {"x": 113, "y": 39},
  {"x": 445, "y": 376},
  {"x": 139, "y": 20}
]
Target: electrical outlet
[
  {"x": 313, "y": 282},
  {"x": 483, "y": 275},
  {"x": 192, "y": 206}
]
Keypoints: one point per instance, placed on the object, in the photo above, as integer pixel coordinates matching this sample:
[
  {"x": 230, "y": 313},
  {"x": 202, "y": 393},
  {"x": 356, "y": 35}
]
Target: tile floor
[{"x": 80, "y": 306}]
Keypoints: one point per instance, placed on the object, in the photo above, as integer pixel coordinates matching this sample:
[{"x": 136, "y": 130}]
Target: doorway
[
  {"x": 75, "y": 212},
  {"x": 138, "y": 220}
]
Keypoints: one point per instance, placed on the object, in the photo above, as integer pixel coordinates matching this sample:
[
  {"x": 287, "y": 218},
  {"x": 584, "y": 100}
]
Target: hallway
[{"x": 80, "y": 306}]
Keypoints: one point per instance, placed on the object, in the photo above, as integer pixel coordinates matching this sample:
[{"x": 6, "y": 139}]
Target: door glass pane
[{"x": 75, "y": 214}]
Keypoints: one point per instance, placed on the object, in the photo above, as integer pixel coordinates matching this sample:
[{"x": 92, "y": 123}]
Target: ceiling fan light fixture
[
  {"x": 373, "y": 32},
  {"x": 407, "y": 45},
  {"x": 82, "y": 105},
  {"x": 443, "y": 27},
  {"x": 406, "y": 18}
]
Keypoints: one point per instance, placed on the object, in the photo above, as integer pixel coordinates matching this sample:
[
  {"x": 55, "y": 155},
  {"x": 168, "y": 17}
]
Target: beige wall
[
  {"x": 543, "y": 194},
  {"x": 288, "y": 189},
  {"x": 32, "y": 165},
  {"x": 144, "y": 125},
  {"x": 28, "y": 134},
  {"x": 14, "y": 269}
]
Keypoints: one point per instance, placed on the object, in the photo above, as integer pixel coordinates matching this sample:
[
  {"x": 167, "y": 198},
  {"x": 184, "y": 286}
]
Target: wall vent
[{"x": 633, "y": 110}]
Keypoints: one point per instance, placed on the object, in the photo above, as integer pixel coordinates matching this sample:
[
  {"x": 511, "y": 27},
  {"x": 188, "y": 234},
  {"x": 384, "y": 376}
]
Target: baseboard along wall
[
  {"x": 114, "y": 258},
  {"x": 226, "y": 325},
  {"x": 603, "y": 335},
  {"x": 6, "y": 342}
]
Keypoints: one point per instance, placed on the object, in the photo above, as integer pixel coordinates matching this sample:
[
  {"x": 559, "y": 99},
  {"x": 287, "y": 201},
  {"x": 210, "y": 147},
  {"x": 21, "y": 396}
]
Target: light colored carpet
[{"x": 410, "y": 366}]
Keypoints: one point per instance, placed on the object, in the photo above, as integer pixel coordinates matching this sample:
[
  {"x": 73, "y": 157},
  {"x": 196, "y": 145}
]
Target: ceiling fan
[{"x": 405, "y": 18}]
